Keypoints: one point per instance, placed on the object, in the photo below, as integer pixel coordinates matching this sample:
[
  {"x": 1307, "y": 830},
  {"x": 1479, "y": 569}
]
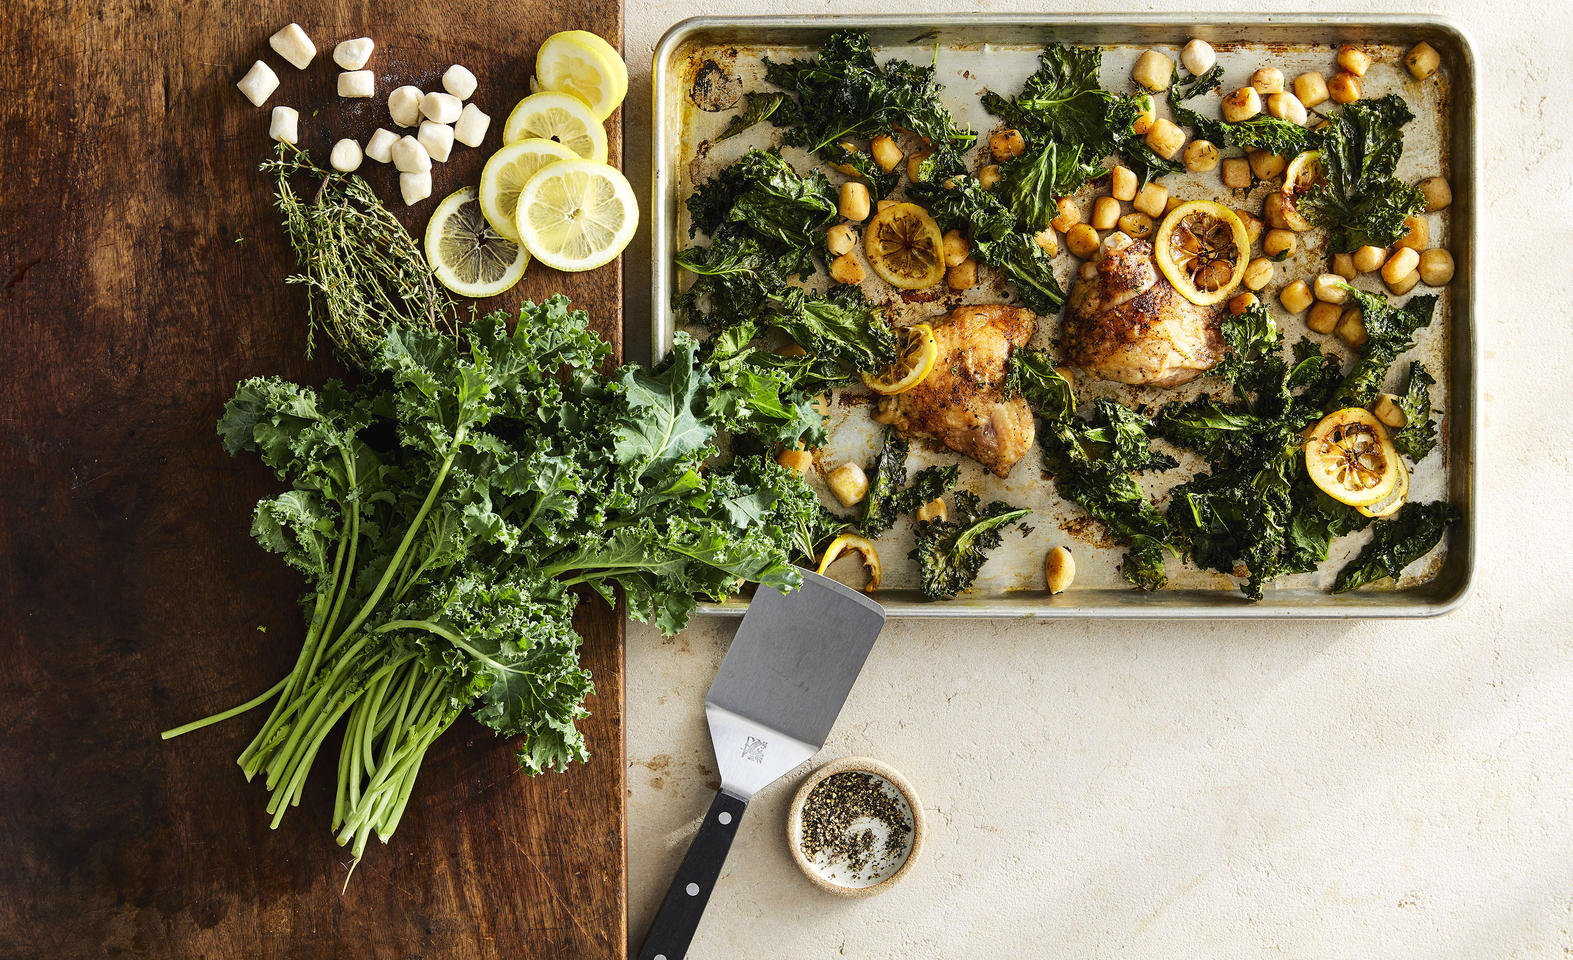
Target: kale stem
[{"x": 231, "y": 712}]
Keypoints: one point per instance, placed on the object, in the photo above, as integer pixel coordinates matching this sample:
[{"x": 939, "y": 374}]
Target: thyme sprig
[{"x": 364, "y": 272}]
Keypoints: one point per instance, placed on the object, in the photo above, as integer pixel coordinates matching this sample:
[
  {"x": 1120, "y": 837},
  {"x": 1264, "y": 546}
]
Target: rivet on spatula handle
[{"x": 685, "y": 902}]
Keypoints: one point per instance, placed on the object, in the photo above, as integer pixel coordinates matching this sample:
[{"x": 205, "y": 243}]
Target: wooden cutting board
[{"x": 144, "y": 266}]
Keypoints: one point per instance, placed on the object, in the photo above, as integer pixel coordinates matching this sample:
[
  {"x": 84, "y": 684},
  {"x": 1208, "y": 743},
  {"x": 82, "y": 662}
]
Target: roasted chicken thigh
[
  {"x": 960, "y": 403},
  {"x": 1125, "y": 322}
]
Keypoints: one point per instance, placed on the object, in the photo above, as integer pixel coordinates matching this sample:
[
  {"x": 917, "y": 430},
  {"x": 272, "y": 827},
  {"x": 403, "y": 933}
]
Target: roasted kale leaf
[
  {"x": 1391, "y": 330},
  {"x": 1397, "y": 543},
  {"x": 1417, "y": 438},
  {"x": 951, "y": 552},
  {"x": 1363, "y": 203}
]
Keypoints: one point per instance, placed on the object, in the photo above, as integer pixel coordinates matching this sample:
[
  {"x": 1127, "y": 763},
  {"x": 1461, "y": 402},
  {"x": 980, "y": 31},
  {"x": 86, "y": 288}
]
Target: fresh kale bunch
[
  {"x": 442, "y": 511},
  {"x": 845, "y": 93},
  {"x": 1363, "y": 203},
  {"x": 951, "y": 552}
]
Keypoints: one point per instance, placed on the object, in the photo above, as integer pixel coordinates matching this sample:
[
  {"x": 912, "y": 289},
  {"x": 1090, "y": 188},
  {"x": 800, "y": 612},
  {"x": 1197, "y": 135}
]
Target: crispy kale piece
[
  {"x": 845, "y": 93},
  {"x": 1397, "y": 543},
  {"x": 1255, "y": 509},
  {"x": 1029, "y": 267},
  {"x": 843, "y": 326},
  {"x": 765, "y": 223},
  {"x": 965, "y": 206},
  {"x": 1362, "y": 203},
  {"x": 1392, "y": 331},
  {"x": 1262, "y": 132},
  {"x": 1418, "y": 436},
  {"x": 1031, "y": 374},
  {"x": 1063, "y": 103},
  {"x": 888, "y": 495},
  {"x": 1093, "y": 463},
  {"x": 1033, "y": 182},
  {"x": 779, "y": 108},
  {"x": 951, "y": 552}
]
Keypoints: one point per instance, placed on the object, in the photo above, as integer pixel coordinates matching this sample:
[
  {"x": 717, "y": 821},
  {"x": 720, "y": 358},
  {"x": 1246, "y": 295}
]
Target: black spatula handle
[{"x": 684, "y": 905}]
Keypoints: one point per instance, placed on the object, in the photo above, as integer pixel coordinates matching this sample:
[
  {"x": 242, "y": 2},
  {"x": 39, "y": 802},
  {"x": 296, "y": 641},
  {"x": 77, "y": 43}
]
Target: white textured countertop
[{"x": 1123, "y": 789}]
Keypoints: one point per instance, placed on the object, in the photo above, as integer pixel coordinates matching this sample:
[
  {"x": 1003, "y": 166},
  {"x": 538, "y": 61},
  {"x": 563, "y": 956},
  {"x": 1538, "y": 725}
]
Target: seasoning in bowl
[{"x": 855, "y": 827}]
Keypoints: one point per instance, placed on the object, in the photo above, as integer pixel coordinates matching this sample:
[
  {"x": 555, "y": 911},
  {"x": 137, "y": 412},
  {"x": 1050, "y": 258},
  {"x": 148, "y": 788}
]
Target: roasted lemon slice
[
  {"x": 914, "y": 361},
  {"x": 905, "y": 247},
  {"x": 1351, "y": 458},
  {"x": 857, "y": 544},
  {"x": 1304, "y": 173},
  {"x": 1202, "y": 248},
  {"x": 1389, "y": 504}
]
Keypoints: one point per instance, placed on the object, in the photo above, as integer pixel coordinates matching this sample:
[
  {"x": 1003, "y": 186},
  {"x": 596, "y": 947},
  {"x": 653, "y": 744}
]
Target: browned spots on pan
[{"x": 715, "y": 88}]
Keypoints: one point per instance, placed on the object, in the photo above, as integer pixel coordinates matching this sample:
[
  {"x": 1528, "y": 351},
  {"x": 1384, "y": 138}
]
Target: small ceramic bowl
[{"x": 865, "y": 856}]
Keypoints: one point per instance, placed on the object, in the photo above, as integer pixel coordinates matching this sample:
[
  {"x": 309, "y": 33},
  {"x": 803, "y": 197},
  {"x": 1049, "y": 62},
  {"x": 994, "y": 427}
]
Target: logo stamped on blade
[{"x": 754, "y": 750}]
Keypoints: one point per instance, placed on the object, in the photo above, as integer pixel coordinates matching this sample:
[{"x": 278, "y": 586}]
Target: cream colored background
[{"x": 1115, "y": 789}]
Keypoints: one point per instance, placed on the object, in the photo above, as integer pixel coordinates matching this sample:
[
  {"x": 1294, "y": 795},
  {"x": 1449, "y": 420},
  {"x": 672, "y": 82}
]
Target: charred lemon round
[
  {"x": 905, "y": 247},
  {"x": 1351, "y": 458},
  {"x": 857, "y": 544},
  {"x": 915, "y": 357},
  {"x": 1202, "y": 248},
  {"x": 1304, "y": 173},
  {"x": 1389, "y": 504}
]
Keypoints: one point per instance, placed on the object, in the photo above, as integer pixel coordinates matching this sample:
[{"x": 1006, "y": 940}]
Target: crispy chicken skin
[
  {"x": 959, "y": 403},
  {"x": 1125, "y": 322}
]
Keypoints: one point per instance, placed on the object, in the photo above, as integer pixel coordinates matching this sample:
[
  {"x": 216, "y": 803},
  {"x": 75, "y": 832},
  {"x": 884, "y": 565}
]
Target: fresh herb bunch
[
  {"x": 950, "y": 553},
  {"x": 442, "y": 510},
  {"x": 845, "y": 93},
  {"x": 1363, "y": 203},
  {"x": 363, "y": 271}
]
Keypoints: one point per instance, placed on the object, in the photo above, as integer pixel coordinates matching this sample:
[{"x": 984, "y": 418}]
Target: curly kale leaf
[
  {"x": 843, "y": 325},
  {"x": 889, "y": 476},
  {"x": 779, "y": 108},
  {"x": 1279, "y": 137},
  {"x": 1029, "y": 267},
  {"x": 1031, "y": 374},
  {"x": 1033, "y": 183},
  {"x": 928, "y": 485},
  {"x": 1062, "y": 102},
  {"x": 1315, "y": 521},
  {"x": 1397, "y": 543},
  {"x": 1391, "y": 330},
  {"x": 733, "y": 275},
  {"x": 780, "y": 205},
  {"x": 967, "y": 207},
  {"x": 1092, "y": 464},
  {"x": 1418, "y": 436},
  {"x": 1362, "y": 203},
  {"x": 1214, "y": 131},
  {"x": 1253, "y": 338},
  {"x": 951, "y": 552},
  {"x": 845, "y": 93},
  {"x": 1226, "y": 517}
]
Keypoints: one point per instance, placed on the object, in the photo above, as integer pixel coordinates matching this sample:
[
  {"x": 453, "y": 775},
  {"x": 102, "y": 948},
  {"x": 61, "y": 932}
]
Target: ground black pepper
[{"x": 831, "y": 814}]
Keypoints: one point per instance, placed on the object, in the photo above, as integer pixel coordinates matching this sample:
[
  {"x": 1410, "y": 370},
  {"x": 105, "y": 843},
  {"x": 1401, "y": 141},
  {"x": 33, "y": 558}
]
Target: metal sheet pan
[{"x": 703, "y": 65}]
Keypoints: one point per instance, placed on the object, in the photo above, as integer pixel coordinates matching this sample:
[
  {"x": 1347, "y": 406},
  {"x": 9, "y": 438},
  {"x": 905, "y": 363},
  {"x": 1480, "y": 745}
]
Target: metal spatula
[{"x": 772, "y": 704}]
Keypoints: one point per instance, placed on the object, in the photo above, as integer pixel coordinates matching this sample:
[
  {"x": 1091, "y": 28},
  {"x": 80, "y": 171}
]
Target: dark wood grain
[{"x": 142, "y": 265}]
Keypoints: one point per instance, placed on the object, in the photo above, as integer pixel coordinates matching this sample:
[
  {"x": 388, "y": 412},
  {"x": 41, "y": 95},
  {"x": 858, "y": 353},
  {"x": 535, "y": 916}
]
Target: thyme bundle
[{"x": 364, "y": 272}]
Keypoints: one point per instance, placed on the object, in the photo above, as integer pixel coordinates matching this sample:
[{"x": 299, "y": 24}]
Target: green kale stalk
[{"x": 443, "y": 510}]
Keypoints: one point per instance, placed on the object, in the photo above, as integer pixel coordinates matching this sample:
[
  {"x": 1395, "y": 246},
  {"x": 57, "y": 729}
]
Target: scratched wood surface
[{"x": 143, "y": 264}]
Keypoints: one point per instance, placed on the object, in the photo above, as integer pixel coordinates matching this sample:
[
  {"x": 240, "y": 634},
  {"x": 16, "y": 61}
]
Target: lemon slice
[
  {"x": 1390, "y": 504},
  {"x": 1304, "y": 173},
  {"x": 553, "y": 115},
  {"x": 577, "y": 215},
  {"x": 904, "y": 247},
  {"x": 508, "y": 171},
  {"x": 568, "y": 63},
  {"x": 1351, "y": 458},
  {"x": 1202, "y": 248},
  {"x": 469, "y": 257},
  {"x": 914, "y": 361},
  {"x": 857, "y": 544}
]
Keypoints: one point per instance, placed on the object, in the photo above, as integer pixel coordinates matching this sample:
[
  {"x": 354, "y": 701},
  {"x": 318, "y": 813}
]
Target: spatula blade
[{"x": 786, "y": 677}]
